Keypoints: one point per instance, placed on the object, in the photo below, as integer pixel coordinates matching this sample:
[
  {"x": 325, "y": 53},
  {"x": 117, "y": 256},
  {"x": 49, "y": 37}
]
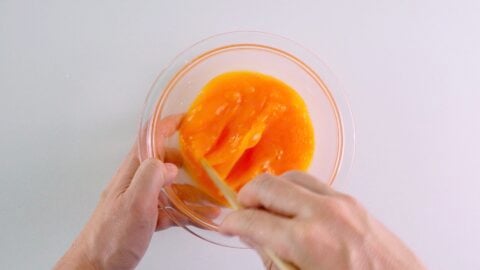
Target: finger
[
  {"x": 164, "y": 129},
  {"x": 163, "y": 221},
  {"x": 122, "y": 178},
  {"x": 261, "y": 229},
  {"x": 171, "y": 217},
  {"x": 275, "y": 194},
  {"x": 309, "y": 182},
  {"x": 149, "y": 179}
]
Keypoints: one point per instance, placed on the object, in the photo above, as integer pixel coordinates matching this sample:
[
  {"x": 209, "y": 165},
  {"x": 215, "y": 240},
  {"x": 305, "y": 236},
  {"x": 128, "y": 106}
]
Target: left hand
[{"x": 121, "y": 227}]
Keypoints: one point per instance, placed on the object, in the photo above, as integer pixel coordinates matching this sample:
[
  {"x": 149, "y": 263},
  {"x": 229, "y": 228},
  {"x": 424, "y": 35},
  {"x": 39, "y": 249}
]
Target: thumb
[{"x": 150, "y": 177}]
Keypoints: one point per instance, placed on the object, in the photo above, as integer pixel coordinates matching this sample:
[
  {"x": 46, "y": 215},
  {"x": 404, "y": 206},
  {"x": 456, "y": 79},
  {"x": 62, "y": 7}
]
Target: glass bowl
[{"x": 181, "y": 81}]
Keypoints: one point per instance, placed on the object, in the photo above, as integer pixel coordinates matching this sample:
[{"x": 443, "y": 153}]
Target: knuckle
[
  {"x": 249, "y": 221},
  {"x": 298, "y": 177},
  {"x": 330, "y": 204},
  {"x": 151, "y": 164},
  {"x": 263, "y": 183},
  {"x": 349, "y": 200},
  {"x": 338, "y": 209},
  {"x": 341, "y": 211},
  {"x": 346, "y": 205},
  {"x": 310, "y": 206},
  {"x": 292, "y": 174}
]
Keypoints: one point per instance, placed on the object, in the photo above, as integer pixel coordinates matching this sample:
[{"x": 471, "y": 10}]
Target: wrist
[
  {"x": 389, "y": 252},
  {"x": 77, "y": 257}
]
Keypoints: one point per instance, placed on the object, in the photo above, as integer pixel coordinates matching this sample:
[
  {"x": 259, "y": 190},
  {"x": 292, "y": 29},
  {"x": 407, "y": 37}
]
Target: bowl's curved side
[{"x": 185, "y": 61}]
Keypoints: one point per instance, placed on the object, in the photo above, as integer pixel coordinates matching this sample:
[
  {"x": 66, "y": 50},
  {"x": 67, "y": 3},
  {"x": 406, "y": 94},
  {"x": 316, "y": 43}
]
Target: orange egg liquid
[{"x": 245, "y": 123}]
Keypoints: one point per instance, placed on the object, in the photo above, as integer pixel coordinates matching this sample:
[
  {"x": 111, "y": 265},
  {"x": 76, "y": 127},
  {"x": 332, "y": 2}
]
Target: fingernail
[
  {"x": 222, "y": 230},
  {"x": 171, "y": 172}
]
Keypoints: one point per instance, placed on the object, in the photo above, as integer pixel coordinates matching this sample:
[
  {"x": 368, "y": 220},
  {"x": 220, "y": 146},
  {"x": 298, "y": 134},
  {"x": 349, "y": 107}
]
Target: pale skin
[
  {"x": 302, "y": 220},
  {"x": 313, "y": 226}
]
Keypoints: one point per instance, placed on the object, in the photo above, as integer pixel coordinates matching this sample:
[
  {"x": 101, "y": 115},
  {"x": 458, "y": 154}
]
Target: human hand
[
  {"x": 311, "y": 225},
  {"x": 121, "y": 227}
]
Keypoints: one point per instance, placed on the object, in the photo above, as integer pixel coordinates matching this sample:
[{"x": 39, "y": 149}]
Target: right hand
[{"x": 313, "y": 226}]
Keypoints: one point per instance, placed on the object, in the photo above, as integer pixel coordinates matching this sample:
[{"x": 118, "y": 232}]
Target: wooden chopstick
[{"x": 231, "y": 197}]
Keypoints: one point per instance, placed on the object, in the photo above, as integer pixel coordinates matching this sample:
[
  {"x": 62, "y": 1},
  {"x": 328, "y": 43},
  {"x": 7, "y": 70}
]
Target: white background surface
[{"x": 74, "y": 74}]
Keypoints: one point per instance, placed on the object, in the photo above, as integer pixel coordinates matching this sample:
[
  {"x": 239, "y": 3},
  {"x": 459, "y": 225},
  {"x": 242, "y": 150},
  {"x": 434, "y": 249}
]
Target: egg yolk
[{"x": 245, "y": 123}]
